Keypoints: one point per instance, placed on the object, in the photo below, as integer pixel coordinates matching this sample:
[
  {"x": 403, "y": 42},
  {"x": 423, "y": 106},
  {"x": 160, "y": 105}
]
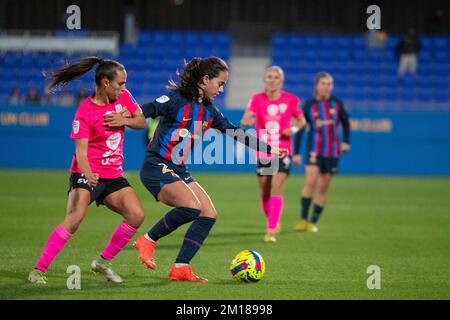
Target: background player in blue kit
[
  {"x": 185, "y": 114},
  {"x": 324, "y": 115}
]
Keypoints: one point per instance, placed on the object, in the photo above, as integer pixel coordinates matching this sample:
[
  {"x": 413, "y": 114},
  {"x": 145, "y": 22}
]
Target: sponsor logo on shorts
[
  {"x": 82, "y": 181},
  {"x": 165, "y": 169}
]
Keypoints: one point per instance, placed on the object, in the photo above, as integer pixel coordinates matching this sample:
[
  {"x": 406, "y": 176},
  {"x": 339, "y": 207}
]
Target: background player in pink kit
[
  {"x": 272, "y": 112},
  {"x": 96, "y": 170}
]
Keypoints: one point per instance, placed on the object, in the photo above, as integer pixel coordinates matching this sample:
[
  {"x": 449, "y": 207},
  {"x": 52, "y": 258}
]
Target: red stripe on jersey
[
  {"x": 316, "y": 115},
  {"x": 336, "y": 131},
  {"x": 329, "y": 128},
  {"x": 183, "y": 123},
  {"x": 197, "y": 127},
  {"x": 209, "y": 125}
]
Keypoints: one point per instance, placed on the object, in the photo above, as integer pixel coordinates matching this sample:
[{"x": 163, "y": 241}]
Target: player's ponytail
[
  {"x": 193, "y": 73},
  {"x": 106, "y": 69}
]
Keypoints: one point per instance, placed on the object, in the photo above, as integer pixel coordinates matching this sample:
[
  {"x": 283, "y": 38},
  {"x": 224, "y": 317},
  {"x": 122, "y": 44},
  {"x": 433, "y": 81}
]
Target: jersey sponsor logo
[
  {"x": 76, "y": 126},
  {"x": 283, "y": 107},
  {"x": 118, "y": 108},
  {"x": 321, "y": 123},
  {"x": 163, "y": 99},
  {"x": 184, "y": 132},
  {"x": 272, "y": 109},
  {"x": 110, "y": 157},
  {"x": 113, "y": 141}
]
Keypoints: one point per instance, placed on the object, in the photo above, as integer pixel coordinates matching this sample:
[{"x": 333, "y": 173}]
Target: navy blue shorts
[
  {"x": 326, "y": 165},
  {"x": 156, "y": 172}
]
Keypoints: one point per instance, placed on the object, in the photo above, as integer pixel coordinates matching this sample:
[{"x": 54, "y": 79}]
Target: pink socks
[
  {"x": 121, "y": 236},
  {"x": 264, "y": 206},
  {"x": 275, "y": 207},
  {"x": 57, "y": 240}
]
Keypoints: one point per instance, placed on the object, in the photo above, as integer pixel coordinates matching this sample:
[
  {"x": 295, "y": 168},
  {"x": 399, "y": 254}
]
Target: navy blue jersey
[
  {"x": 324, "y": 118},
  {"x": 182, "y": 121}
]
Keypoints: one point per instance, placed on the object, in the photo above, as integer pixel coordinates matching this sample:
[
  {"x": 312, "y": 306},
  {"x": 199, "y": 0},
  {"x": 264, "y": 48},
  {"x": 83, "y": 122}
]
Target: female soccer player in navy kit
[
  {"x": 96, "y": 170},
  {"x": 185, "y": 114},
  {"x": 324, "y": 115}
]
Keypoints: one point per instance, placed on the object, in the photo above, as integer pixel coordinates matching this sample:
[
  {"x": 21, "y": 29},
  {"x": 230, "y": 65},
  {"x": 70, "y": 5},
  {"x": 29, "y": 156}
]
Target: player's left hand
[
  {"x": 125, "y": 113},
  {"x": 345, "y": 147},
  {"x": 280, "y": 152},
  {"x": 297, "y": 159}
]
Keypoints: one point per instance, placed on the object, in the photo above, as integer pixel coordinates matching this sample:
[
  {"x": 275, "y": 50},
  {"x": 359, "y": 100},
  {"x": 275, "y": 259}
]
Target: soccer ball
[{"x": 247, "y": 266}]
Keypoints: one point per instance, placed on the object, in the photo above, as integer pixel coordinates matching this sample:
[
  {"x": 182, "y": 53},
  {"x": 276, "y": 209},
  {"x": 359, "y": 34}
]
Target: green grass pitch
[{"x": 401, "y": 224}]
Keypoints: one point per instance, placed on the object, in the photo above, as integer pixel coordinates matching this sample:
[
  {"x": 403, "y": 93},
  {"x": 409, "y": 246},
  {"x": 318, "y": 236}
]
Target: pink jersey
[
  {"x": 105, "y": 146},
  {"x": 273, "y": 117}
]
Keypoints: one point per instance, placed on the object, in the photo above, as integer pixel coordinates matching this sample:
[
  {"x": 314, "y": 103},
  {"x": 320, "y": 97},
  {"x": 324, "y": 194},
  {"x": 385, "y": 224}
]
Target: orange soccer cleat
[
  {"x": 146, "y": 250},
  {"x": 184, "y": 273}
]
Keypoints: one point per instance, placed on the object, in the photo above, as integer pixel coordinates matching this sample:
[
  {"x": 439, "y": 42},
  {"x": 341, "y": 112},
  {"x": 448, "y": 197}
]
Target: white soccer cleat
[
  {"x": 37, "y": 276},
  {"x": 104, "y": 267}
]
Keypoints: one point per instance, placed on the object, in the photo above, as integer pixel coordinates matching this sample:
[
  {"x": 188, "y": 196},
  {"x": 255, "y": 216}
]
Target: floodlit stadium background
[
  {"x": 387, "y": 208},
  {"x": 400, "y": 124}
]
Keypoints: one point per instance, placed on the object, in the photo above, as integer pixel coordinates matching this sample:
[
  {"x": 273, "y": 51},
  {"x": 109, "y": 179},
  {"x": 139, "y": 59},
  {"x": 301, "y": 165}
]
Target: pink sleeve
[
  {"x": 80, "y": 126},
  {"x": 296, "y": 111},
  {"x": 130, "y": 102}
]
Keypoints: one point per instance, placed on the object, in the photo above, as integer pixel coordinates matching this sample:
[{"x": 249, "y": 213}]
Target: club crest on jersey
[
  {"x": 163, "y": 99},
  {"x": 76, "y": 126},
  {"x": 283, "y": 107},
  {"x": 118, "y": 107}
]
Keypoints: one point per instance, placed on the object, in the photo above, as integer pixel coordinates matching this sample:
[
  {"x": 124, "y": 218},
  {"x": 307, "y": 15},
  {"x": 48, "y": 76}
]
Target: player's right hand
[
  {"x": 92, "y": 179},
  {"x": 280, "y": 152},
  {"x": 297, "y": 159}
]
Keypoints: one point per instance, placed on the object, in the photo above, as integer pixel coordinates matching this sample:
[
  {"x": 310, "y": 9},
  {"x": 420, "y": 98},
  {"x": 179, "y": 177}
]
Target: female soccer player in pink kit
[
  {"x": 96, "y": 170},
  {"x": 272, "y": 112}
]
